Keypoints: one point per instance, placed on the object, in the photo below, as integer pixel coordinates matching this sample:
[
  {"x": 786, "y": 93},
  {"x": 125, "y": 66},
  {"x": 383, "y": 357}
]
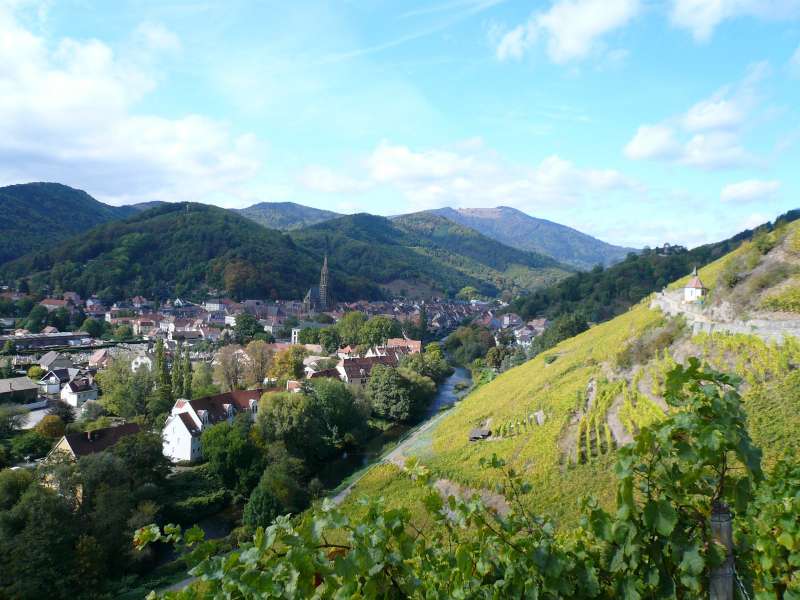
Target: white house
[
  {"x": 694, "y": 291},
  {"x": 78, "y": 391},
  {"x": 188, "y": 419},
  {"x": 55, "y": 379}
]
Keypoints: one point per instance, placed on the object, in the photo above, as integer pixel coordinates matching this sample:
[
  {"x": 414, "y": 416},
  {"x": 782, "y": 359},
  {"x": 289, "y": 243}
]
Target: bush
[
  {"x": 51, "y": 426},
  {"x": 31, "y": 444},
  {"x": 196, "y": 508},
  {"x": 650, "y": 343}
]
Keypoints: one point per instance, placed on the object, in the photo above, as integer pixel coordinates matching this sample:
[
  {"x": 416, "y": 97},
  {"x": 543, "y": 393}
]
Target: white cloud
[
  {"x": 653, "y": 141},
  {"x": 571, "y": 28},
  {"x": 701, "y": 17},
  {"x": 468, "y": 174},
  {"x": 707, "y": 135},
  {"x": 750, "y": 190},
  {"x": 68, "y": 113}
]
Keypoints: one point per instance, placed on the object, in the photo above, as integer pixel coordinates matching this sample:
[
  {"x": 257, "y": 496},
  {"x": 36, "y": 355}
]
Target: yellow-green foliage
[
  {"x": 787, "y": 299},
  {"x": 559, "y": 388}
]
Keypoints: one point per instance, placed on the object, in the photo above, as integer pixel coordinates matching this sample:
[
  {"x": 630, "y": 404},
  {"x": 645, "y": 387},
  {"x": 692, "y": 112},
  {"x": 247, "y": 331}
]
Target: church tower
[{"x": 324, "y": 297}]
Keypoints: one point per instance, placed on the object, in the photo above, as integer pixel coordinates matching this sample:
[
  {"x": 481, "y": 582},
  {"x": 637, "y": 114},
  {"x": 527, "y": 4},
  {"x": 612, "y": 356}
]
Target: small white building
[
  {"x": 78, "y": 391},
  {"x": 188, "y": 418},
  {"x": 694, "y": 290},
  {"x": 142, "y": 361}
]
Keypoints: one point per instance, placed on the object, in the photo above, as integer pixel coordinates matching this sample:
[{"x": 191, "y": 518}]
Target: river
[{"x": 447, "y": 394}]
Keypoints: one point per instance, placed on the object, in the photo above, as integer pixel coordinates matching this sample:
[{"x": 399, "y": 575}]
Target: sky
[{"x": 637, "y": 121}]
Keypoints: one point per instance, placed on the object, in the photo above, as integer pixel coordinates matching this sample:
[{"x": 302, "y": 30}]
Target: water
[{"x": 446, "y": 395}]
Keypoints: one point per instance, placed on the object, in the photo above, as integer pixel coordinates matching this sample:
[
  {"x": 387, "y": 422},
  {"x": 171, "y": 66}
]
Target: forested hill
[
  {"x": 423, "y": 255},
  {"x": 37, "y": 215},
  {"x": 180, "y": 249},
  {"x": 601, "y": 294},
  {"x": 286, "y": 215},
  {"x": 514, "y": 228}
]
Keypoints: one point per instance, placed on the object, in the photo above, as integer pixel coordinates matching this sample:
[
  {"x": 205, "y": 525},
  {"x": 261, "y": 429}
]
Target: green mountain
[
  {"x": 286, "y": 216},
  {"x": 516, "y": 229},
  {"x": 424, "y": 255},
  {"x": 180, "y": 249},
  {"x": 593, "y": 392},
  {"x": 601, "y": 294},
  {"x": 35, "y": 216}
]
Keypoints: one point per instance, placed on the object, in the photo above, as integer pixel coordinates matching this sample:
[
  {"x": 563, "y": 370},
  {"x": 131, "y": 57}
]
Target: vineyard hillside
[{"x": 559, "y": 418}]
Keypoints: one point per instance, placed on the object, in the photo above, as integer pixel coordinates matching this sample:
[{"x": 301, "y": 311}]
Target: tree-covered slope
[
  {"x": 286, "y": 215},
  {"x": 516, "y": 229},
  {"x": 36, "y": 216},
  {"x": 425, "y": 255},
  {"x": 179, "y": 249},
  {"x": 595, "y": 391},
  {"x": 601, "y": 294}
]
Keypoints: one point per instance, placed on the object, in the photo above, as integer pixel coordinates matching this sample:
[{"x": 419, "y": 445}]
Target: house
[
  {"x": 55, "y": 379},
  {"x": 73, "y": 298},
  {"x": 78, "y": 391},
  {"x": 52, "y": 304},
  {"x": 694, "y": 290},
  {"x": 413, "y": 346},
  {"x": 294, "y": 386},
  {"x": 144, "y": 360},
  {"x": 55, "y": 360},
  {"x": 75, "y": 445},
  {"x": 478, "y": 434},
  {"x": 188, "y": 419},
  {"x": 50, "y": 329},
  {"x": 18, "y": 390},
  {"x": 100, "y": 359},
  {"x": 25, "y": 340},
  {"x": 356, "y": 371}
]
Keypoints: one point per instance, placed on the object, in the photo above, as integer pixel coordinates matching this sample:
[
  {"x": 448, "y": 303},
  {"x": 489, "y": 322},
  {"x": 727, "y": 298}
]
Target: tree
[
  {"x": 187, "y": 374},
  {"x": 349, "y": 328},
  {"x": 50, "y": 426},
  {"x": 161, "y": 370},
  {"x": 128, "y": 393},
  {"x": 35, "y": 373},
  {"x": 7, "y": 370},
  {"x": 203, "y": 382},
  {"x": 288, "y": 364},
  {"x": 31, "y": 444},
  {"x": 329, "y": 340},
  {"x": 309, "y": 335},
  {"x": 93, "y": 327},
  {"x": 388, "y": 393},
  {"x": 232, "y": 455},
  {"x": 246, "y": 327},
  {"x": 279, "y": 489},
  {"x": 258, "y": 364},
  {"x": 12, "y": 418},
  {"x": 287, "y": 417},
  {"x": 9, "y": 348},
  {"x": 37, "y": 319},
  {"x": 338, "y": 420},
  {"x": 377, "y": 330},
  {"x": 143, "y": 458},
  {"x": 468, "y": 293},
  {"x": 229, "y": 371},
  {"x": 177, "y": 373}
]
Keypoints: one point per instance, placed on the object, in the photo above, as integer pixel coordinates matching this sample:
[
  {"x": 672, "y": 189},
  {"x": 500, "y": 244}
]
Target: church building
[{"x": 318, "y": 297}]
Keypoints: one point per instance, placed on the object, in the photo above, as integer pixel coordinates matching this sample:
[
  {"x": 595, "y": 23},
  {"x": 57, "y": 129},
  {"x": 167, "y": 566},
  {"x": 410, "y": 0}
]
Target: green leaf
[{"x": 692, "y": 561}]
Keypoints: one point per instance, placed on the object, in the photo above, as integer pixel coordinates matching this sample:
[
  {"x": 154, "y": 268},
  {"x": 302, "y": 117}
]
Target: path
[{"x": 709, "y": 320}]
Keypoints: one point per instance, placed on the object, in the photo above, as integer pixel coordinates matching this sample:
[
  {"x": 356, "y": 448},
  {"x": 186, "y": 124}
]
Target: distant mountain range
[
  {"x": 519, "y": 230},
  {"x": 423, "y": 255},
  {"x": 286, "y": 216},
  {"x": 35, "y": 216}
]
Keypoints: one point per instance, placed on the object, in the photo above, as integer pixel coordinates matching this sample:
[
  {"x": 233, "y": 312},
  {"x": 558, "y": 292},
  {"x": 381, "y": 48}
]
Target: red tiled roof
[{"x": 215, "y": 405}]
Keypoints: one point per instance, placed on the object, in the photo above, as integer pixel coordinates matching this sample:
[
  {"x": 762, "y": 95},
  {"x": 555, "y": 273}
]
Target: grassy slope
[{"x": 771, "y": 394}]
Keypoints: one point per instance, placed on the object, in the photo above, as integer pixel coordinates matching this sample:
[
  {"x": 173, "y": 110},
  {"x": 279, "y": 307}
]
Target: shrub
[{"x": 51, "y": 426}]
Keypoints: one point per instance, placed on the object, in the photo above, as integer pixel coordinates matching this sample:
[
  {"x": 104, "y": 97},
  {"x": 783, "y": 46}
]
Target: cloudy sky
[{"x": 638, "y": 121}]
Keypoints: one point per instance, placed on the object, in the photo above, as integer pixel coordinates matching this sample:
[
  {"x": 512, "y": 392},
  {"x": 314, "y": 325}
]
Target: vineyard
[{"x": 593, "y": 393}]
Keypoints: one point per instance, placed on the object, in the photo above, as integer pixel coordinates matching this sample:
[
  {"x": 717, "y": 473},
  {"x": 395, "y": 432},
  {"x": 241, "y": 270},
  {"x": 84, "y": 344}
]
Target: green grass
[{"x": 787, "y": 299}]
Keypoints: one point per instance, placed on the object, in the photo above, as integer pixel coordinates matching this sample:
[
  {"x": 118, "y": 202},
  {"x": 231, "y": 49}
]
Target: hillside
[
  {"x": 514, "y": 228},
  {"x": 601, "y": 294},
  {"x": 423, "y": 256},
  {"x": 38, "y": 215},
  {"x": 597, "y": 389},
  {"x": 285, "y": 216},
  {"x": 180, "y": 249}
]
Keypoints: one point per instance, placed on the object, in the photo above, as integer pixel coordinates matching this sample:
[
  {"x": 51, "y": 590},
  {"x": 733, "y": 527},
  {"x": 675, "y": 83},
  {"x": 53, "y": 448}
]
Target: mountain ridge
[{"x": 518, "y": 229}]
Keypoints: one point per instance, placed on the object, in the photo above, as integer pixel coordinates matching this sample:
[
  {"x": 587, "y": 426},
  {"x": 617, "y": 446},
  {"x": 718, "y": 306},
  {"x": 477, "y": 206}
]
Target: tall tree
[
  {"x": 229, "y": 371},
  {"x": 259, "y": 360},
  {"x": 177, "y": 373},
  {"x": 187, "y": 374},
  {"x": 161, "y": 368}
]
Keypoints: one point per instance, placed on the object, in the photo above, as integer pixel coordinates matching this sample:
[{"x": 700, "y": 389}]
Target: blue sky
[{"x": 636, "y": 121}]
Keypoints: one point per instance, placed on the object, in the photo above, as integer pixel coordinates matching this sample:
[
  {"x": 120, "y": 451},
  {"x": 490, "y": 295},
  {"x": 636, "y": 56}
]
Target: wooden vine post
[{"x": 721, "y": 584}]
